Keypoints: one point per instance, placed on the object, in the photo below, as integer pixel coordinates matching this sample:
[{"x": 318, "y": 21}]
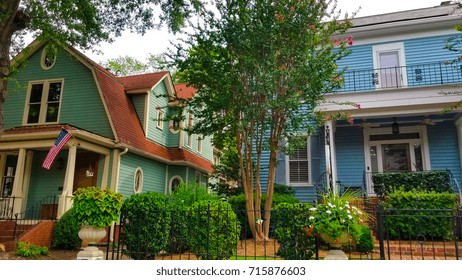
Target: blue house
[{"x": 398, "y": 82}]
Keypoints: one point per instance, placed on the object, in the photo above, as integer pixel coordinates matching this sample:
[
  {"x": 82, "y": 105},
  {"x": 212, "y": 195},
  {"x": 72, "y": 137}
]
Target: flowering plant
[{"x": 335, "y": 216}]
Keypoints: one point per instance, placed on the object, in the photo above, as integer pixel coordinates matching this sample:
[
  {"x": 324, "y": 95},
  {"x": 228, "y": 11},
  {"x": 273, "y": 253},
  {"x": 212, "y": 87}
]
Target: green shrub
[
  {"x": 238, "y": 204},
  {"x": 410, "y": 214},
  {"x": 292, "y": 230},
  {"x": 437, "y": 181},
  {"x": 284, "y": 189},
  {"x": 182, "y": 199},
  {"x": 66, "y": 234},
  {"x": 365, "y": 243},
  {"x": 25, "y": 249},
  {"x": 147, "y": 220},
  {"x": 215, "y": 230}
]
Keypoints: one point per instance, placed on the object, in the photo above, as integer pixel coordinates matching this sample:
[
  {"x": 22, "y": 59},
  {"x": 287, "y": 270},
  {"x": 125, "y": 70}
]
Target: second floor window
[{"x": 43, "y": 102}]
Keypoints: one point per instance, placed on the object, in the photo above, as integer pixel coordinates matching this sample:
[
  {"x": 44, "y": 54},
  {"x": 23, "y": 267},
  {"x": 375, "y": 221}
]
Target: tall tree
[
  {"x": 82, "y": 23},
  {"x": 127, "y": 65},
  {"x": 261, "y": 67}
]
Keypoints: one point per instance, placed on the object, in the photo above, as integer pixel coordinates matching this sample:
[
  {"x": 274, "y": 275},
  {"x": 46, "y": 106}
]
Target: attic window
[{"x": 48, "y": 59}]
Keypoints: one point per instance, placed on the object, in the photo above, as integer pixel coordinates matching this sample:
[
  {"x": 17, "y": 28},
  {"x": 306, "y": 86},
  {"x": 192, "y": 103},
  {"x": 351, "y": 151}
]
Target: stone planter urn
[
  {"x": 89, "y": 235},
  {"x": 336, "y": 253}
]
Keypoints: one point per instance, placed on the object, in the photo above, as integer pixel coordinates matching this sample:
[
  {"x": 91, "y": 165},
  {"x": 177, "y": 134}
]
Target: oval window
[{"x": 138, "y": 182}]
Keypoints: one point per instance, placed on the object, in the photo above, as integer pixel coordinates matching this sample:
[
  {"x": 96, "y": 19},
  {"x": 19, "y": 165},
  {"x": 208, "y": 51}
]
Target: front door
[
  {"x": 86, "y": 170},
  {"x": 387, "y": 152}
]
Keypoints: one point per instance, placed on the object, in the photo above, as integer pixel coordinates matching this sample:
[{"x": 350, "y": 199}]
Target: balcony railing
[{"x": 428, "y": 74}]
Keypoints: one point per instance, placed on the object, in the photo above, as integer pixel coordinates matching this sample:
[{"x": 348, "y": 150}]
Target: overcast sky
[{"x": 157, "y": 41}]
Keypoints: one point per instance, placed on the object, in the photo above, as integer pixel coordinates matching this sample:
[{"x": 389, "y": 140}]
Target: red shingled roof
[
  {"x": 143, "y": 81},
  {"x": 184, "y": 91},
  {"x": 128, "y": 128}
]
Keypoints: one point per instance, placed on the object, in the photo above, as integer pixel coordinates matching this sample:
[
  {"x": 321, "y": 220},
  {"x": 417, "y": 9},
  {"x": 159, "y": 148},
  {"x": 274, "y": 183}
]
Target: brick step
[
  {"x": 9, "y": 245},
  {"x": 7, "y": 225}
]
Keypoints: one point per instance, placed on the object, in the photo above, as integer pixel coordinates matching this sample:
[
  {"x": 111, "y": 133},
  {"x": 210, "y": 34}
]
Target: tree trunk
[
  {"x": 8, "y": 25},
  {"x": 270, "y": 190}
]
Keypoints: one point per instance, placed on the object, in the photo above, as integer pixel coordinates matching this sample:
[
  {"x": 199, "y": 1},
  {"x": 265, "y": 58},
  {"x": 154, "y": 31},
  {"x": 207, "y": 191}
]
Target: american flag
[{"x": 62, "y": 139}]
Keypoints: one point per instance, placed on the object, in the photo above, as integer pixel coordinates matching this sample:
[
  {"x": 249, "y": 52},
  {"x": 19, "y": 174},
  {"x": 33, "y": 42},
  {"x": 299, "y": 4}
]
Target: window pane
[
  {"x": 396, "y": 158},
  {"x": 34, "y": 113},
  {"x": 298, "y": 171},
  {"x": 54, "y": 92},
  {"x": 418, "y": 157},
  {"x": 52, "y": 112},
  {"x": 36, "y": 93}
]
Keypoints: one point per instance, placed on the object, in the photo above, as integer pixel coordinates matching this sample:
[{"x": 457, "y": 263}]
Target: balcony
[{"x": 429, "y": 74}]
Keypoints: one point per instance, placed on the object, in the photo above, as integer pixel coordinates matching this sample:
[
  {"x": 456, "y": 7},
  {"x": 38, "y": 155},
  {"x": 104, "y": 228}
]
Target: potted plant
[
  {"x": 336, "y": 220},
  {"x": 95, "y": 209}
]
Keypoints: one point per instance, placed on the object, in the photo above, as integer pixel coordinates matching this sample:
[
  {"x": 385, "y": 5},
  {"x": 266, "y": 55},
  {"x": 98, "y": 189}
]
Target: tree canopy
[{"x": 261, "y": 67}]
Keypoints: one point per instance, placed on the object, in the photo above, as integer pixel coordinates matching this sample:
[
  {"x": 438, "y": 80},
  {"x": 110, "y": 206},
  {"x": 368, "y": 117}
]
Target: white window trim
[
  {"x": 287, "y": 167},
  {"x": 43, "y": 102},
  {"x": 190, "y": 135},
  {"x": 160, "y": 119},
  {"x": 398, "y": 46},
  {"x": 45, "y": 52},
  {"x": 171, "y": 181},
  {"x": 199, "y": 143},
  {"x": 138, "y": 169}
]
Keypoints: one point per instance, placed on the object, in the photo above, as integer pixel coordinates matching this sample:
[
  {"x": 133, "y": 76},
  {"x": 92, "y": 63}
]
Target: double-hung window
[
  {"x": 299, "y": 164},
  {"x": 43, "y": 102}
]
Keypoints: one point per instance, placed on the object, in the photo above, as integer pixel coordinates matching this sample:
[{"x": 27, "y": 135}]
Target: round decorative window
[
  {"x": 48, "y": 59},
  {"x": 138, "y": 182}
]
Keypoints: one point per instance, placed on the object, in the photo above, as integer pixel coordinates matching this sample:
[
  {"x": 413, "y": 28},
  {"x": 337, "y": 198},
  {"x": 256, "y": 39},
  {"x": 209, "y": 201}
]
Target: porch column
[
  {"x": 331, "y": 163},
  {"x": 65, "y": 200},
  {"x": 18, "y": 186}
]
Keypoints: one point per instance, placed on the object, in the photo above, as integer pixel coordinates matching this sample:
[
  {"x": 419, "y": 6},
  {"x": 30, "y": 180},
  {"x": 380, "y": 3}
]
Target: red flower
[
  {"x": 351, "y": 121},
  {"x": 158, "y": 108},
  {"x": 358, "y": 106},
  {"x": 350, "y": 40},
  {"x": 312, "y": 27},
  {"x": 335, "y": 41}
]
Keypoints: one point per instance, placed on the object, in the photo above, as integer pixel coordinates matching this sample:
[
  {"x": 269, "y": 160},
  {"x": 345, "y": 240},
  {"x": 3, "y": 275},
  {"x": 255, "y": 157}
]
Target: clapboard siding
[
  {"x": 81, "y": 102},
  {"x": 444, "y": 151},
  {"x": 349, "y": 146},
  {"x": 153, "y": 174}
]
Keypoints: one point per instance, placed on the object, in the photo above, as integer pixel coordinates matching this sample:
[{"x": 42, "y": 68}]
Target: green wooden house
[{"x": 120, "y": 138}]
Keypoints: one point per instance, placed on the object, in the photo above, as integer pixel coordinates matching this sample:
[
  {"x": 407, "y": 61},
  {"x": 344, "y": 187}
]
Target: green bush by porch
[
  {"x": 437, "y": 181},
  {"x": 412, "y": 214}
]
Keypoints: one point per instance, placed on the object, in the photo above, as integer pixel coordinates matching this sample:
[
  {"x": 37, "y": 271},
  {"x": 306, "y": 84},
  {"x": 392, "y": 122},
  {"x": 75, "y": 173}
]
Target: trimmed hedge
[
  {"x": 66, "y": 234},
  {"x": 413, "y": 215},
  {"x": 437, "y": 181},
  {"x": 292, "y": 222},
  {"x": 215, "y": 230},
  {"x": 147, "y": 220},
  {"x": 238, "y": 205},
  {"x": 182, "y": 200}
]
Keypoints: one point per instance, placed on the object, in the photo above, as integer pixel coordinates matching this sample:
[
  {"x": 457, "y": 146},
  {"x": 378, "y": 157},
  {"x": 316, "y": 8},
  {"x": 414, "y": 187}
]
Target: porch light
[
  {"x": 395, "y": 127},
  {"x": 89, "y": 172}
]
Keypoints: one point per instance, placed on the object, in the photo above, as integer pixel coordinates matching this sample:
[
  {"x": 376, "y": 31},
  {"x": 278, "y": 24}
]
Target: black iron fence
[
  {"x": 398, "y": 234},
  {"x": 427, "y": 74},
  {"x": 419, "y": 234},
  {"x": 45, "y": 209}
]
